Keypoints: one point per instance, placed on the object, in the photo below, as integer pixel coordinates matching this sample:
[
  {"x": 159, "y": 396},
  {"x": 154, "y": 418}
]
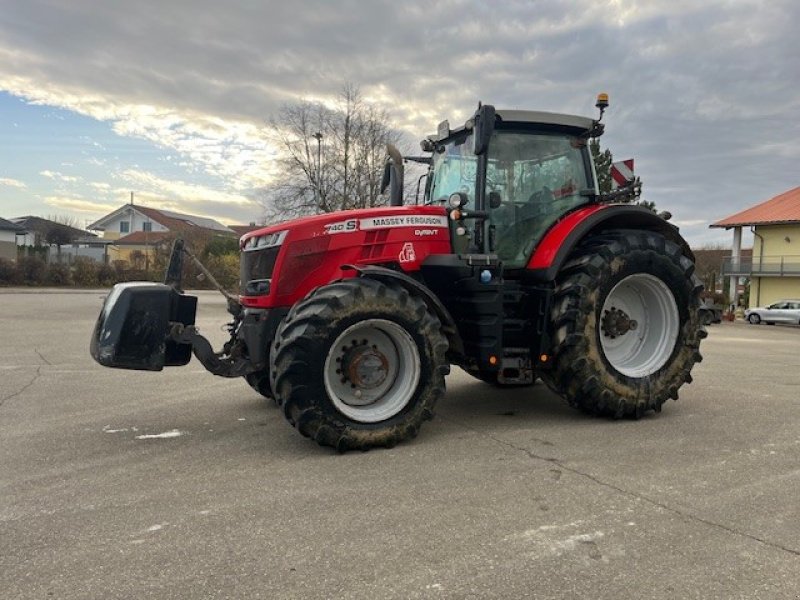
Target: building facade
[
  {"x": 774, "y": 268},
  {"x": 9, "y": 235}
]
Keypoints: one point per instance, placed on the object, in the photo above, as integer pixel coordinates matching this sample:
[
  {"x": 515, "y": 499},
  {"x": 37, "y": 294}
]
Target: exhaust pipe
[{"x": 393, "y": 176}]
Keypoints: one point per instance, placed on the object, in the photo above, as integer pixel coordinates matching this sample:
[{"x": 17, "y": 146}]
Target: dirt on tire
[
  {"x": 304, "y": 341},
  {"x": 579, "y": 370}
]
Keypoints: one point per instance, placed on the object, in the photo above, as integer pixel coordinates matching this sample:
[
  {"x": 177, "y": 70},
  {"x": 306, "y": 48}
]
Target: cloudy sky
[{"x": 169, "y": 99}]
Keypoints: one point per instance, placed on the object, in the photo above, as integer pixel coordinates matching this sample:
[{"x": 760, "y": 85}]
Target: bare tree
[
  {"x": 61, "y": 231},
  {"x": 331, "y": 156}
]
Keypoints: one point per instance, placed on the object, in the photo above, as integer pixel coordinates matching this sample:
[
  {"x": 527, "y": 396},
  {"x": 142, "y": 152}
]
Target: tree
[
  {"x": 603, "y": 159},
  {"x": 602, "y": 164},
  {"x": 331, "y": 157}
]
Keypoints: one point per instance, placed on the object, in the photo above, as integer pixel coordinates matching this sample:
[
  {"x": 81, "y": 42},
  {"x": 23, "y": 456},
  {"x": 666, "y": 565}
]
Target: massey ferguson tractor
[{"x": 512, "y": 266}]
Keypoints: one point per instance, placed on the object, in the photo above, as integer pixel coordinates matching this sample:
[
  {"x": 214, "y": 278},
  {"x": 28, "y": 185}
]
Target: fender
[
  {"x": 564, "y": 236},
  {"x": 449, "y": 327}
]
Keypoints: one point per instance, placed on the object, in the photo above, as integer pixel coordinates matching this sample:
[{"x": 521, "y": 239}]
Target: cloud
[
  {"x": 15, "y": 183},
  {"x": 704, "y": 95},
  {"x": 80, "y": 205},
  {"x": 59, "y": 176},
  {"x": 156, "y": 186}
]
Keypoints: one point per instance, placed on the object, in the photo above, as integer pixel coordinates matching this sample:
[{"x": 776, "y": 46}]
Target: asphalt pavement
[{"x": 123, "y": 484}]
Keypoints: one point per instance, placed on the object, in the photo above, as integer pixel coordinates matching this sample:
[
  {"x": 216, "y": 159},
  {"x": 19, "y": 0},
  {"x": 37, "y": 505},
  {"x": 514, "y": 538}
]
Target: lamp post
[{"x": 318, "y": 183}]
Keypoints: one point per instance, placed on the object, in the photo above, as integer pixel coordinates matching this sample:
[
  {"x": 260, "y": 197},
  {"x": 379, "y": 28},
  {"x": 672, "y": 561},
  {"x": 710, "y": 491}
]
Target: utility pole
[{"x": 318, "y": 184}]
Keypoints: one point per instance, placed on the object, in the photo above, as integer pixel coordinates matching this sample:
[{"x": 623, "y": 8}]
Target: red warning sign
[{"x": 621, "y": 173}]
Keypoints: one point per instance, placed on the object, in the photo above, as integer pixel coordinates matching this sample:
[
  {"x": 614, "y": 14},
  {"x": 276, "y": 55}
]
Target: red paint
[
  {"x": 554, "y": 239},
  {"x": 311, "y": 255}
]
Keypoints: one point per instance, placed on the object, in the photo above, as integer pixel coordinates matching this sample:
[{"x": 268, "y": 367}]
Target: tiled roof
[
  {"x": 242, "y": 229},
  {"x": 9, "y": 226},
  {"x": 784, "y": 208},
  {"x": 159, "y": 217},
  {"x": 140, "y": 238},
  {"x": 171, "y": 220},
  {"x": 43, "y": 226},
  {"x": 177, "y": 221}
]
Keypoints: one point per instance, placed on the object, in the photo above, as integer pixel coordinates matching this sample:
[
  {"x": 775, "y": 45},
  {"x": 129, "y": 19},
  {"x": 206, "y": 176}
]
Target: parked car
[{"x": 783, "y": 311}]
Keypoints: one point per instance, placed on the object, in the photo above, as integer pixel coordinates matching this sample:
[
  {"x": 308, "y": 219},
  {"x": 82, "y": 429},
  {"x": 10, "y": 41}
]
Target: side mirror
[
  {"x": 483, "y": 128},
  {"x": 494, "y": 200}
]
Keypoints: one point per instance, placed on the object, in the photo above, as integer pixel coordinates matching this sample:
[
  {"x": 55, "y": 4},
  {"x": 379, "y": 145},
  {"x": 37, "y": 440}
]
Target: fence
[{"x": 68, "y": 254}]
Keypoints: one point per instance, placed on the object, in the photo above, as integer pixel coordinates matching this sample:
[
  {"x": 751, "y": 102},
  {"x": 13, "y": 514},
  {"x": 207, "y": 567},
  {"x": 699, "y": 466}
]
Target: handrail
[{"x": 771, "y": 265}]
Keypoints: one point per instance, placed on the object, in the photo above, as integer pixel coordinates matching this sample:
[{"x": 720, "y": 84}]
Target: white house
[
  {"x": 131, "y": 218},
  {"x": 9, "y": 233}
]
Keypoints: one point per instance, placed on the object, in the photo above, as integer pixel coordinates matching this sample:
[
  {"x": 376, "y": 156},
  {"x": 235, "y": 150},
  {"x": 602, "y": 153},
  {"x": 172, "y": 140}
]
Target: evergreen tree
[{"x": 602, "y": 164}]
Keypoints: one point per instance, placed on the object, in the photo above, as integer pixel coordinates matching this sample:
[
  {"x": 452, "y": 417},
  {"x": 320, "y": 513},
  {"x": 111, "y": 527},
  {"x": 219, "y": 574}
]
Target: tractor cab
[{"x": 508, "y": 175}]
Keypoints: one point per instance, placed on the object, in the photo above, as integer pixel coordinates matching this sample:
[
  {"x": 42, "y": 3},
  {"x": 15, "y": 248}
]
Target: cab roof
[
  {"x": 528, "y": 117},
  {"x": 538, "y": 117}
]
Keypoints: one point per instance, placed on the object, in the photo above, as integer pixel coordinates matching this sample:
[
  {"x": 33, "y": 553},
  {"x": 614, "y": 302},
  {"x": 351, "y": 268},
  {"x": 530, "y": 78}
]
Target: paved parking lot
[{"x": 119, "y": 484}]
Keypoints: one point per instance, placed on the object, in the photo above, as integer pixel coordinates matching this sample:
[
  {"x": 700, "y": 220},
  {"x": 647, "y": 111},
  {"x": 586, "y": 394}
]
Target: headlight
[{"x": 268, "y": 240}]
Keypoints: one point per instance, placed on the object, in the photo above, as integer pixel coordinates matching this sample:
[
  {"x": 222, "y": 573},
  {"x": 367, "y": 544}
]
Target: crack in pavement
[
  {"x": 24, "y": 387},
  {"x": 32, "y": 381},
  {"x": 635, "y": 495},
  {"x": 44, "y": 360}
]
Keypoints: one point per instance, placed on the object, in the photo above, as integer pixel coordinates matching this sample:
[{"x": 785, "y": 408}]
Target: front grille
[{"x": 256, "y": 270}]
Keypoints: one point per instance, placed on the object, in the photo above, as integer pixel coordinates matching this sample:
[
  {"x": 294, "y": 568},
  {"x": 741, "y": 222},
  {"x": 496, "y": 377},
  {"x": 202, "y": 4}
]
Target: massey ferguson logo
[
  {"x": 342, "y": 226},
  {"x": 391, "y": 221},
  {"x": 407, "y": 254}
]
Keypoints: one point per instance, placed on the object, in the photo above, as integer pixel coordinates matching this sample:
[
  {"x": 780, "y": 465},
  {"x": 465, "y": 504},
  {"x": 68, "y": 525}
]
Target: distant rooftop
[
  {"x": 174, "y": 221},
  {"x": 9, "y": 226},
  {"x": 782, "y": 209}
]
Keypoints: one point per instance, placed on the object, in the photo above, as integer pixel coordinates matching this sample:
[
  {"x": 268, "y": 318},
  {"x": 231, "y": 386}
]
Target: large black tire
[
  {"x": 388, "y": 353},
  {"x": 259, "y": 381},
  {"x": 586, "y": 367}
]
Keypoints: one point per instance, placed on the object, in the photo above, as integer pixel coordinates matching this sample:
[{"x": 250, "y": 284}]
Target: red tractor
[{"x": 513, "y": 267}]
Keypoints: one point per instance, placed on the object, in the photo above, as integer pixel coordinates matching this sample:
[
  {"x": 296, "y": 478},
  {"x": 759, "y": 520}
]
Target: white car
[{"x": 783, "y": 311}]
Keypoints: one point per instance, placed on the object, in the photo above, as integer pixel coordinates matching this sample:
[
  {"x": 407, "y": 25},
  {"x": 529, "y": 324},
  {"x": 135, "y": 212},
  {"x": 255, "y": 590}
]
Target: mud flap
[{"x": 132, "y": 331}]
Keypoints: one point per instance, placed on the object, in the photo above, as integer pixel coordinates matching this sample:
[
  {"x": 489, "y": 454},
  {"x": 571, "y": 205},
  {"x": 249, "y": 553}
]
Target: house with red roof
[
  {"x": 138, "y": 230},
  {"x": 774, "y": 268}
]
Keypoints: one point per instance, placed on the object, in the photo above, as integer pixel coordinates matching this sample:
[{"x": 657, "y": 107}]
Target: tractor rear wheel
[
  {"x": 626, "y": 327},
  {"x": 358, "y": 364}
]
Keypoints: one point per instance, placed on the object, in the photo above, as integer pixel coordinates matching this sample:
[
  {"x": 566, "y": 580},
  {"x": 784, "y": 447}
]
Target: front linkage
[{"x": 148, "y": 326}]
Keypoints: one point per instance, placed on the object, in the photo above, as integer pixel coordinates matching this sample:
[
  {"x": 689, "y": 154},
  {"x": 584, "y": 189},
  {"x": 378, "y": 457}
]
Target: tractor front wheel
[
  {"x": 359, "y": 364},
  {"x": 259, "y": 381},
  {"x": 626, "y": 324}
]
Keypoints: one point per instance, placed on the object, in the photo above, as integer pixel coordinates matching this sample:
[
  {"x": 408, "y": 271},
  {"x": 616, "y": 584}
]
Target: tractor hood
[
  {"x": 283, "y": 262},
  {"x": 349, "y": 221}
]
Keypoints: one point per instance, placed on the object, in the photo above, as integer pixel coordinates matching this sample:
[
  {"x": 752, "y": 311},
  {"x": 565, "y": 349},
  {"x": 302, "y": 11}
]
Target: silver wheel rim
[
  {"x": 372, "y": 370},
  {"x": 639, "y": 325}
]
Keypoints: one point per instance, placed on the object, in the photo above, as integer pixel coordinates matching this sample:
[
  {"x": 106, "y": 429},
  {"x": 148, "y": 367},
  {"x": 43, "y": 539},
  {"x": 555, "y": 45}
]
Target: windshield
[
  {"x": 454, "y": 170},
  {"x": 531, "y": 181}
]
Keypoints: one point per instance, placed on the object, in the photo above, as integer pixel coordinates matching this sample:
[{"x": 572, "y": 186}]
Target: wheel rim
[
  {"x": 754, "y": 319},
  {"x": 639, "y": 325},
  {"x": 372, "y": 370}
]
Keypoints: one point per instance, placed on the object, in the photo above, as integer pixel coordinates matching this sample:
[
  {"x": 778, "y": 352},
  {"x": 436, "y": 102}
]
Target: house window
[
  {"x": 124, "y": 226},
  {"x": 147, "y": 226}
]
